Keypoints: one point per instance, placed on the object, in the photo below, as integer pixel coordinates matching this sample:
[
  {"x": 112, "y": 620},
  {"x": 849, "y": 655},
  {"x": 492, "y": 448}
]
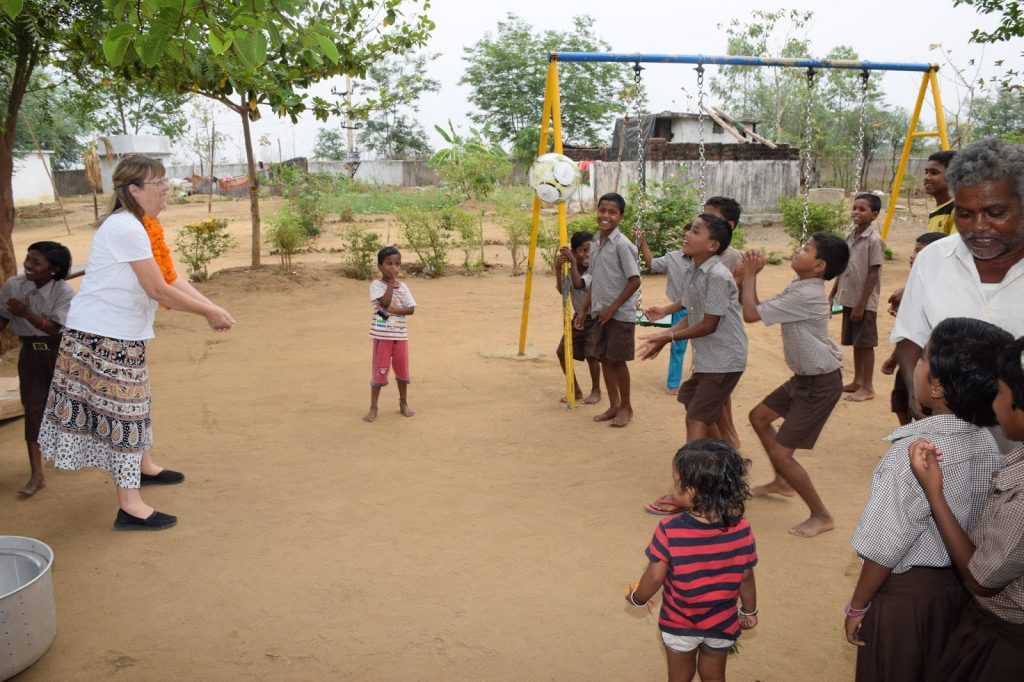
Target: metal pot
[{"x": 28, "y": 613}]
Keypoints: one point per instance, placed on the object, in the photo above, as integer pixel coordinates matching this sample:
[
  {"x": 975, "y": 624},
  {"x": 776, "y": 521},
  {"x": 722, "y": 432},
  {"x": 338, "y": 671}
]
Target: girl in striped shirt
[{"x": 703, "y": 559}]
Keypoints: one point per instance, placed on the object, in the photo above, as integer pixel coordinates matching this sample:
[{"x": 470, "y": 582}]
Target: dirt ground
[{"x": 490, "y": 537}]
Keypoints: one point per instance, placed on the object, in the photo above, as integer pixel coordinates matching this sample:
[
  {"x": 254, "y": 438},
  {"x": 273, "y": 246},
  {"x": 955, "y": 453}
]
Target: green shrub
[
  {"x": 517, "y": 225},
  {"x": 668, "y": 207},
  {"x": 286, "y": 235},
  {"x": 831, "y": 218},
  {"x": 463, "y": 228},
  {"x": 739, "y": 239},
  {"x": 428, "y": 235},
  {"x": 586, "y": 222},
  {"x": 774, "y": 258},
  {"x": 199, "y": 243},
  {"x": 547, "y": 242},
  {"x": 361, "y": 247},
  {"x": 889, "y": 253}
]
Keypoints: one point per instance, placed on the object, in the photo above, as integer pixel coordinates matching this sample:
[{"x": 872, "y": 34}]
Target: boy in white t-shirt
[{"x": 392, "y": 303}]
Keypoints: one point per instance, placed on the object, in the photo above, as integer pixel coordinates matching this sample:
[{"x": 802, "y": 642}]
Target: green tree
[
  {"x": 777, "y": 97},
  {"x": 1001, "y": 116},
  {"x": 396, "y": 85},
  {"x": 129, "y": 109},
  {"x": 472, "y": 167},
  {"x": 507, "y": 73},
  {"x": 1011, "y": 25},
  {"x": 262, "y": 52},
  {"x": 331, "y": 145},
  {"x": 35, "y": 34},
  {"x": 60, "y": 114}
]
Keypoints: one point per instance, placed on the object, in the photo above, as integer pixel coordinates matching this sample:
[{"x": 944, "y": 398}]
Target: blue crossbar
[{"x": 807, "y": 63}]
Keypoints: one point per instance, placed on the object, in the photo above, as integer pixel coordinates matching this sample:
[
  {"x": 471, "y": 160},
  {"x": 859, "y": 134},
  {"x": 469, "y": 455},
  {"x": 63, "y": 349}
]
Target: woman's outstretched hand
[{"x": 220, "y": 319}]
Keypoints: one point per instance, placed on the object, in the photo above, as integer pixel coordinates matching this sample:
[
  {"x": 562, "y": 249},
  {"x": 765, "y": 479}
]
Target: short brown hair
[{"x": 132, "y": 170}]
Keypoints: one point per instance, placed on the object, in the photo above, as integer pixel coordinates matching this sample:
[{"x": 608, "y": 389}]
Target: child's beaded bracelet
[{"x": 855, "y": 613}]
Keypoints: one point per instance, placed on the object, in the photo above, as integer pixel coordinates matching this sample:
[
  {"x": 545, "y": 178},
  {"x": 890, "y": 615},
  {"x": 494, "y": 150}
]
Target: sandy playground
[{"x": 490, "y": 537}]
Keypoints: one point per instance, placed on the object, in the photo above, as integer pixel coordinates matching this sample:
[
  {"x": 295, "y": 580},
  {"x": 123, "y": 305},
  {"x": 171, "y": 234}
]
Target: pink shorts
[{"x": 388, "y": 354}]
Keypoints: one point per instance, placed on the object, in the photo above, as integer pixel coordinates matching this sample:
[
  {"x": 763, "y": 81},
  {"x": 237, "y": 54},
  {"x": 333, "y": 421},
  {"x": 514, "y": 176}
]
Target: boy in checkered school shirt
[
  {"x": 806, "y": 400},
  {"x": 988, "y": 642},
  {"x": 908, "y": 597}
]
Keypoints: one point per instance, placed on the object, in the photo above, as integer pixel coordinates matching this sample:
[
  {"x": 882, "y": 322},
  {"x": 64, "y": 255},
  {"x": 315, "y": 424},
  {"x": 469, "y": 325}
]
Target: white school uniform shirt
[{"x": 944, "y": 282}]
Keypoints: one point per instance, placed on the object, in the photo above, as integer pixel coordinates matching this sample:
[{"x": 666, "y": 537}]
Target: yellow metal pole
[
  {"x": 535, "y": 224},
  {"x": 940, "y": 115},
  {"x": 907, "y": 144},
  {"x": 563, "y": 240}
]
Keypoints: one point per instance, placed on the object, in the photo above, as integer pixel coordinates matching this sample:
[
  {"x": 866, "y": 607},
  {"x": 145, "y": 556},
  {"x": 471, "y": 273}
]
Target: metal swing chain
[
  {"x": 700, "y": 133},
  {"x": 641, "y": 183},
  {"x": 808, "y": 139},
  {"x": 863, "y": 124}
]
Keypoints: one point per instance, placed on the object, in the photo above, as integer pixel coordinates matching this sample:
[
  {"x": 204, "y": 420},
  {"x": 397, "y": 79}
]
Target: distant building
[
  {"x": 672, "y": 127},
  {"x": 31, "y": 181},
  {"x": 156, "y": 146}
]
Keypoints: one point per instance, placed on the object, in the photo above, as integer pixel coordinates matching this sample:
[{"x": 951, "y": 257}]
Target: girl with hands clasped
[
  {"x": 988, "y": 643},
  {"x": 908, "y": 598},
  {"x": 709, "y": 544}
]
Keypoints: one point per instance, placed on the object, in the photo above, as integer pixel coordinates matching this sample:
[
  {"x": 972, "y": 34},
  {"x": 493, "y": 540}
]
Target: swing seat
[{"x": 664, "y": 322}]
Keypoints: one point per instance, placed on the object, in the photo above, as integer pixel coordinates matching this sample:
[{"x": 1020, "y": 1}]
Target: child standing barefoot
[
  {"x": 709, "y": 544},
  {"x": 36, "y": 305},
  {"x": 392, "y": 303},
  {"x": 577, "y": 255}
]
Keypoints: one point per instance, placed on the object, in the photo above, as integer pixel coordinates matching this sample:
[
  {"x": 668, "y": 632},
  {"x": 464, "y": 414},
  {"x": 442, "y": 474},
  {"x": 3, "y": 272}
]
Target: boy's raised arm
[{"x": 753, "y": 262}]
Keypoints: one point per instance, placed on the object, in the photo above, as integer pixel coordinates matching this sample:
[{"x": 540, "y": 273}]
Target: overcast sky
[{"x": 878, "y": 30}]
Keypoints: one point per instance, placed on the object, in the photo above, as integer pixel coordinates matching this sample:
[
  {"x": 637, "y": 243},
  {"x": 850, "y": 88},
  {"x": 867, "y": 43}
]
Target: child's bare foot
[
  {"x": 851, "y": 387},
  {"x": 776, "y": 487},
  {"x": 815, "y": 525},
  {"x": 403, "y": 407},
  {"x": 889, "y": 366},
  {"x": 33, "y": 486},
  {"x": 622, "y": 418},
  {"x": 672, "y": 391},
  {"x": 608, "y": 414},
  {"x": 371, "y": 415},
  {"x": 579, "y": 394},
  {"x": 592, "y": 399},
  {"x": 860, "y": 395}
]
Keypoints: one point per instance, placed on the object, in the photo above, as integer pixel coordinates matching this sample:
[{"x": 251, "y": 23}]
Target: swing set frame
[{"x": 551, "y": 129}]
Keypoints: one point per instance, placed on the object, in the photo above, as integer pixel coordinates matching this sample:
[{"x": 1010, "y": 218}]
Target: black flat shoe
[
  {"x": 155, "y": 521},
  {"x": 165, "y": 477}
]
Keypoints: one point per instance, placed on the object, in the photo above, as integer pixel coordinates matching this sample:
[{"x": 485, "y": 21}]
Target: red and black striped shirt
[{"x": 706, "y": 565}]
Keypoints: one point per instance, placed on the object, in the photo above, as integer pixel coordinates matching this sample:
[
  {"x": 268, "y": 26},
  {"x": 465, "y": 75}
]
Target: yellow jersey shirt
[{"x": 941, "y": 219}]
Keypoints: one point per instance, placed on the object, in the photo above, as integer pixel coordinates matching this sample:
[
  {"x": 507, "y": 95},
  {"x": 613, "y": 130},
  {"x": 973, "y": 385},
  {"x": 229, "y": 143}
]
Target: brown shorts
[
  {"x": 579, "y": 341},
  {"x": 614, "y": 341},
  {"x": 705, "y": 394},
  {"x": 35, "y": 371},
  {"x": 805, "y": 403},
  {"x": 899, "y": 401},
  {"x": 863, "y": 334}
]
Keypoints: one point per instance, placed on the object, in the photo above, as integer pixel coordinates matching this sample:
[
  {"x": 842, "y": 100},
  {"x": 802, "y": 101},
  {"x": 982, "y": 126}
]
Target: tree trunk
[
  {"x": 25, "y": 64},
  {"x": 8, "y": 263},
  {"x": 254, "y": 188}
]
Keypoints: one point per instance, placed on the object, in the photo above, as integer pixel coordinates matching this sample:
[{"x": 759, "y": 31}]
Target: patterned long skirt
[{"x": 98, "y": 410}]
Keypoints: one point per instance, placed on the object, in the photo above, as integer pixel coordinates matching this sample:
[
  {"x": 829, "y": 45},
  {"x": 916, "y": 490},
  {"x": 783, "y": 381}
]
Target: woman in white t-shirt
[{"x": 98, "y": 410}]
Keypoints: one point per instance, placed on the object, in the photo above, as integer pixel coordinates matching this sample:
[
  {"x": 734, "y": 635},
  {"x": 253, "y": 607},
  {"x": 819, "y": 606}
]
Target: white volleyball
[{"x": 554, "y": 177}]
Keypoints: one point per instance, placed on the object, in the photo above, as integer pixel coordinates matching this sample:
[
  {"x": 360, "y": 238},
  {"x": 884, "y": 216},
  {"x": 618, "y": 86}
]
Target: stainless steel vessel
[{"x": 28, "y": 613}]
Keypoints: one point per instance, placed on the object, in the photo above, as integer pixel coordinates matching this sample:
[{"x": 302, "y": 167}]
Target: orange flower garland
[{"x": 161, "y": 254}]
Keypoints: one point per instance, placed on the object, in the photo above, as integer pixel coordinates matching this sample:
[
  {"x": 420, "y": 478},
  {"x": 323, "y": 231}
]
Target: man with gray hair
[{"x": 978, "y": 272}]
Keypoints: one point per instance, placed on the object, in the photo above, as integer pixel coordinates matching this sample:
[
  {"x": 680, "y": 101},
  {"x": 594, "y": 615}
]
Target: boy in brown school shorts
[
  {"x": 857, "y": 291},
  {"x": 714, "y": 329},
  {"x": 611, "y": 302},
  {"x": 807, "y": 399}
]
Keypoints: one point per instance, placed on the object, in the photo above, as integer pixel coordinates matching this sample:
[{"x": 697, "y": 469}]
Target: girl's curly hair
[{"x": 718, "y": 476}]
